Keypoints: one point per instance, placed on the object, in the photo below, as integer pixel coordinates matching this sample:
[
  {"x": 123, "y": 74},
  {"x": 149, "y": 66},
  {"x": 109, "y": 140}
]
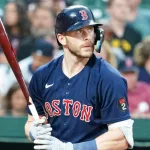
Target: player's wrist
[{"x": 89, "y": 145}]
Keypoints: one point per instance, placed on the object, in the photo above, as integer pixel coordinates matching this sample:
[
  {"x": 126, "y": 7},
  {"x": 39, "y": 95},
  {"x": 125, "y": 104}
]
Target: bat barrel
[{"x": 10, "y": 55}]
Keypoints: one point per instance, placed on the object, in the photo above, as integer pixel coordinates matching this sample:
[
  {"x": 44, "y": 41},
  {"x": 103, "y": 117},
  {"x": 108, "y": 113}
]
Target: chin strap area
[{"x": 99, "y": 38}]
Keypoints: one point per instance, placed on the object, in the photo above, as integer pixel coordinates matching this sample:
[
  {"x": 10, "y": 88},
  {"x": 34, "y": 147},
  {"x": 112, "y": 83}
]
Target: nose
[{"x": 86, "y": 34}]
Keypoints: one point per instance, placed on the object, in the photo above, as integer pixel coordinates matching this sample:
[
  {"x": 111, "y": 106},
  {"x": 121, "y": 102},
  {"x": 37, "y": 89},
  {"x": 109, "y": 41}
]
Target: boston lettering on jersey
[{"x": 84, "y": 111}]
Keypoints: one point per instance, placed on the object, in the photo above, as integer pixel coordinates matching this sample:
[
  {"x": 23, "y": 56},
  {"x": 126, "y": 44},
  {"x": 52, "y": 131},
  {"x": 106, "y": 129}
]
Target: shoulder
[
  {"x": 107, "y": 70},
  {"x": 109, "y": 75}
]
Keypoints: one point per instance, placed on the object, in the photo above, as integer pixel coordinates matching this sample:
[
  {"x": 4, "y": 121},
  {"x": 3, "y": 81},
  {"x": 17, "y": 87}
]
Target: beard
[{"x": 81, "y": 53}]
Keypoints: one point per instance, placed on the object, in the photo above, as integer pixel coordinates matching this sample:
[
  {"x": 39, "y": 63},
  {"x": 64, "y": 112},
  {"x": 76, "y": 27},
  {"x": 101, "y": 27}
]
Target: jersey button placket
[
  {"x": 67, "y": 93},
  {"x": 69, "y": 83},
  {"x": 67, "y": 88},
  {"x": 65, "y": 123}
]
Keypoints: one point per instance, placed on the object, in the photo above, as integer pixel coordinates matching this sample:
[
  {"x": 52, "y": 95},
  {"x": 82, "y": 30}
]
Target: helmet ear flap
[{"x": 99, "y": 38}]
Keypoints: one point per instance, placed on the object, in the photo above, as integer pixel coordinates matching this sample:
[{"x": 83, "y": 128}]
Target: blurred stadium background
[{"x": 12, "y": 134}]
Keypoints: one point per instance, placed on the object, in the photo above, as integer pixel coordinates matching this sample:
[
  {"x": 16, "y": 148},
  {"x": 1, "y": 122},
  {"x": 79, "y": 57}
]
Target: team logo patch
[{"x": 122, "y": 104}]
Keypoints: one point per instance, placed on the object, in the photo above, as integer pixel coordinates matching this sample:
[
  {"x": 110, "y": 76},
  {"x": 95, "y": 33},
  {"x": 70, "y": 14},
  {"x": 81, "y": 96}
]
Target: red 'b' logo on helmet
[{"x": 83, "y": 14}]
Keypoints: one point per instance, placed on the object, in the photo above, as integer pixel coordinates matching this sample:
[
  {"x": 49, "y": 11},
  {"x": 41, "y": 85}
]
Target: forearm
[
  {"x": 34, "y": 128},
  {"x": 113, "y": 139},
  {"x": 27, "y": 126},
  {"x": 118, "y": 137}
]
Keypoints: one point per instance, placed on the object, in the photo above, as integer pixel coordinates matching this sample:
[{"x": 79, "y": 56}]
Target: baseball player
[{"x": 83, "y": 97}]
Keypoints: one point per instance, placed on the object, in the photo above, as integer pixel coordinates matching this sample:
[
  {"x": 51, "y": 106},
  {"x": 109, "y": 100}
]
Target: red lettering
[
  {"x": 76, "y": 109},
  {"x": 86, "y": 114},
  {"x": 67, "y": 102},
  {"x": 57, "y": 111},
  {"x": 48, "y": 109}
]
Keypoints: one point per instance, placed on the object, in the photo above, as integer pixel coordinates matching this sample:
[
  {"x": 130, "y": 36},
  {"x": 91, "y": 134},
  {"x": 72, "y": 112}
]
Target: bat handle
[{"x": 33, "y": 110}]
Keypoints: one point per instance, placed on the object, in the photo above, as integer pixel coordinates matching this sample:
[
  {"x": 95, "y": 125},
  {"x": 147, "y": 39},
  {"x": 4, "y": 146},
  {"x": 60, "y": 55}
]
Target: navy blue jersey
[{"x": 79, "y": 108}]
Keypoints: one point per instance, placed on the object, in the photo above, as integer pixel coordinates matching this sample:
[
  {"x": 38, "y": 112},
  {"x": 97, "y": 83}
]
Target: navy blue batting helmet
[
  {"x": 73, "y": 18},
  {"x": 76, "y": 17}
]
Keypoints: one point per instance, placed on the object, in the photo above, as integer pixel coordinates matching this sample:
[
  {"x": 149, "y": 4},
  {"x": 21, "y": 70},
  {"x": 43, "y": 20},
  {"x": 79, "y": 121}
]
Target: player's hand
[
  {"x": 38, "y": 127},
  {"x": 47, "y": 142}
]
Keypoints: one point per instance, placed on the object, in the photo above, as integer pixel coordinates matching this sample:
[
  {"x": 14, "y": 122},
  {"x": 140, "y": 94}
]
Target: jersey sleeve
[
  {"x": 113, "y": 97},
  {"x": 35, "y": 90}
]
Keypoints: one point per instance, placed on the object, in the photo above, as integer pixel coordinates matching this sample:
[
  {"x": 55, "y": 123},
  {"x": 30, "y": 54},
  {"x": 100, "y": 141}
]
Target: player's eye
[
  {"x": 78, "y": 31},
  {"x": 90, "y": 29}
]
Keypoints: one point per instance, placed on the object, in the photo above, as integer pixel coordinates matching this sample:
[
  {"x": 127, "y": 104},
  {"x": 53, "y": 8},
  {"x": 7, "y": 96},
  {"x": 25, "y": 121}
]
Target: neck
[
  {"x": 117, "y": 26},
  {"x": 72, "y": 65},
  {"x": 147, "y": 66}
]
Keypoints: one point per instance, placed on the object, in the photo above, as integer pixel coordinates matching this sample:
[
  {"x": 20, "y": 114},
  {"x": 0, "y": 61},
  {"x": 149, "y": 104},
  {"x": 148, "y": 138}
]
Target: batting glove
[
  {"x": 51, "y": 143},
  {"x": 38, "y": 127}
]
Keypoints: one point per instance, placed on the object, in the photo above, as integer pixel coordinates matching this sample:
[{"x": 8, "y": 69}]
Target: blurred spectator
[
  {"x": 28, "y": 2},
  {"x": 121, "y": 37},
  {"x": 58, "y": 6},
  {"x": 139, "y": 18},
  {"x": 4, "y": 73},
  {"x": 42, "y": 22},
  {"x": 42, "y": 26},
  {"x": 55, "y": 5},
  {"x": 14, "y": 102},
  {"x": 52, "y": 40},
  {"x": 138, "y": 92},
  {"x": 30, "y": 11},
  {"x": 142, "y": 58},
  {"x": 3, "y": 59},
  {"x": 107, "y": 54},
  {"x": 4, "y": 69},
  {"x": 16, "y": 23},
  {"x": 42, "y": 54},
  {"x": 49, "y": 4}
]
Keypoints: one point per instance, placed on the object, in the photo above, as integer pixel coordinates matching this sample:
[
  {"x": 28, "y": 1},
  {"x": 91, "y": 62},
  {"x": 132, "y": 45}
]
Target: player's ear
[{"x": 61, "y": 38}]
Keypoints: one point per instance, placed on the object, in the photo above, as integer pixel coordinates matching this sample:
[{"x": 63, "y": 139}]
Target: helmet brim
[{"x": 80, "y": 25}]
